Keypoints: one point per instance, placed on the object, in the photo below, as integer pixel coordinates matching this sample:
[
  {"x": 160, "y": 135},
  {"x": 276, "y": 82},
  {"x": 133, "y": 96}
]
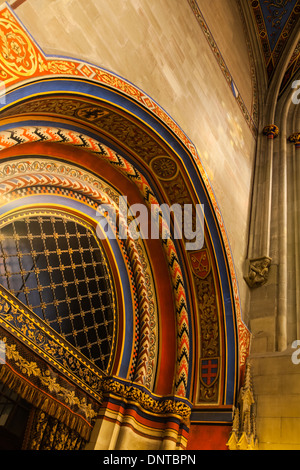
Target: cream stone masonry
[
  {"x": 277, "y": 395},
  {"x": 227, "y": 37}
]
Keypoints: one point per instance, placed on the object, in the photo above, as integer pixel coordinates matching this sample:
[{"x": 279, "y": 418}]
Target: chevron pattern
[
  {"x": 29, "y": 134},
  {"x": 23, "y": 185},
  {"x": 143, "y": 332}
]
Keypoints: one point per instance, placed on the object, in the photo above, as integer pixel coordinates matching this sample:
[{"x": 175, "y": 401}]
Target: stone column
[
  {"x": 261, "y": 274},
  {"x": 295, "y": 154},
  {"x": 258, "y": 265}
]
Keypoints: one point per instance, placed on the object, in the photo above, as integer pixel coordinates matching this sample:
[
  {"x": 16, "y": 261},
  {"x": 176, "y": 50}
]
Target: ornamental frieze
[
  {"x": 158, "y": 405},
  {"x": 104, "y": 119}
]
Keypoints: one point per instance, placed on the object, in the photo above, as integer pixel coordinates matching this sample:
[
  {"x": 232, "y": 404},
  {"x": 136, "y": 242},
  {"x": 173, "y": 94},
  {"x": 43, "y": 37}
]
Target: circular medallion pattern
[{"x": 164, "y": 167}]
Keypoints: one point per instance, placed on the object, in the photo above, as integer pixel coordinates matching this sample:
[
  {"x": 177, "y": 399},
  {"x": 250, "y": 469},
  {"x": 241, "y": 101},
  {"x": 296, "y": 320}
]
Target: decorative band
[{"x": 139, "y": 395}]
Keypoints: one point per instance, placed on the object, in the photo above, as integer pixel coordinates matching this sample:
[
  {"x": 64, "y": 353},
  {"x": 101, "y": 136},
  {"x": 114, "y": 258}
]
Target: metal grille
[{"x": 55, "y": 266}]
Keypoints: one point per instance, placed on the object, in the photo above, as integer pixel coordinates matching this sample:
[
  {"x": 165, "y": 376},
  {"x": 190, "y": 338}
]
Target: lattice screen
[{"x": 56, "y": 267}]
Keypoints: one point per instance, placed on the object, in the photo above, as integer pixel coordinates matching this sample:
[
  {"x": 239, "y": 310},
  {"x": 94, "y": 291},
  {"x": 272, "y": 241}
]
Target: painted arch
[{"x": 81, "y": 136}]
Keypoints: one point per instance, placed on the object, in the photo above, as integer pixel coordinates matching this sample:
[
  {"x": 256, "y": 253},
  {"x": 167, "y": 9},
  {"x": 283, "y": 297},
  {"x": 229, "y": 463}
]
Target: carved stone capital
[
  {"x": 271, "y": 131},
  {"x": 295, "y": 139},
  {"x": 258, "y": 271}
]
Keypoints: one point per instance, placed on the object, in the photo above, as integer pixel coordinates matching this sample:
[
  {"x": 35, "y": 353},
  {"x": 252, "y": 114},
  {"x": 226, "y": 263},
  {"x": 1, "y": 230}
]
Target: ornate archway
[{"x": 80, "y": 136}]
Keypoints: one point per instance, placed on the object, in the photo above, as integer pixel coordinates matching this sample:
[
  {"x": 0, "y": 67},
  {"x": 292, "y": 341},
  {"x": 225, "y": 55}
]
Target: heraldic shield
[
  {"x": 200, "y": 263},
  {"x": 209, "y": 371}
]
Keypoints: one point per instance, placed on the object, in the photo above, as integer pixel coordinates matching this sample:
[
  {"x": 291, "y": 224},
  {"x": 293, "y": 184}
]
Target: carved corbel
[{"x": 258, "y": 271}]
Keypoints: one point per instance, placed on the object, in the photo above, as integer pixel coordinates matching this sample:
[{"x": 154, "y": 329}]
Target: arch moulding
[{"x": 71, "y": 126}]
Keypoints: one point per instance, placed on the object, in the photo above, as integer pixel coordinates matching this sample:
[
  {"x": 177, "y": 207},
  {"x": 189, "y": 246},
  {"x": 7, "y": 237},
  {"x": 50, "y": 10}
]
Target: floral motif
[
  {"x": 34, "y": 332},
  {"x": 148, "y": 402},
  {"x": 164, "y": 167},
  {"x": 17, "y": 52},
  {"x": 29, "y": 368}
]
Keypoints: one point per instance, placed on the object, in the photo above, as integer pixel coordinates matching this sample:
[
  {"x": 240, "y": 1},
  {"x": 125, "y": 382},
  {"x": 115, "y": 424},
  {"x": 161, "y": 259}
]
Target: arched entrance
[{"x": 74, "y": 137}]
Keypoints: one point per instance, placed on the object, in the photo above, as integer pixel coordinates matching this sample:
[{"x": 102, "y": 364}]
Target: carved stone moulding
[{"x": 258, "y": 271}]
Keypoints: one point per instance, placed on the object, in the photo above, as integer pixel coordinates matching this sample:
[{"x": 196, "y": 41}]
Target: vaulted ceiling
[{"x": 276, "y": 21}]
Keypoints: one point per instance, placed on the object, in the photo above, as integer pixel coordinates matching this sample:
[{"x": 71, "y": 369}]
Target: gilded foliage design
[
  {"x": 36, "y": 333},
  {"x": 48, "y": 433},
  {"x": 58, "y": 354},
  {"x": 209, "y": 331},
  {"x": 160, "y": 406},
  {"x": 48, "y": 381}
]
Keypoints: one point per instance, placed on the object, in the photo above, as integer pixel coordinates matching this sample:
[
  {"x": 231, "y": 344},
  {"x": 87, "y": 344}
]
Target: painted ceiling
[{"x": 275, "y": 22}]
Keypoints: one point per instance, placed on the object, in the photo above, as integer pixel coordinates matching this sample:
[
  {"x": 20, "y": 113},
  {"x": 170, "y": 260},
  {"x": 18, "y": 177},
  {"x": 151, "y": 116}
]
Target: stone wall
[{"x": 277, "y": 394}]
